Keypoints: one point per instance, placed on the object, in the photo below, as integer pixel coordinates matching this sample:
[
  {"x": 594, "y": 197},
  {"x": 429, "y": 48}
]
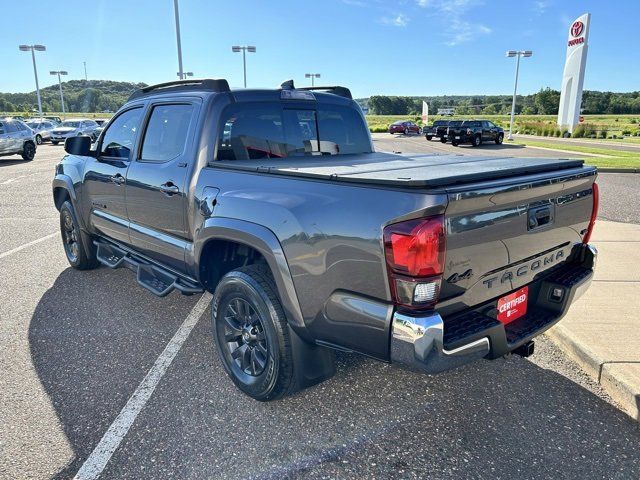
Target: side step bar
[{"x": 157, "y": 280}]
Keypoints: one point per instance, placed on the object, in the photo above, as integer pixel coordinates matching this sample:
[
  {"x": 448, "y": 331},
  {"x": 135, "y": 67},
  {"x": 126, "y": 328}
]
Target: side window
[
  {"x": 119, "y": 138},
  {"x": 166, "y": 134},
  {"x": 10, "y": 127}
]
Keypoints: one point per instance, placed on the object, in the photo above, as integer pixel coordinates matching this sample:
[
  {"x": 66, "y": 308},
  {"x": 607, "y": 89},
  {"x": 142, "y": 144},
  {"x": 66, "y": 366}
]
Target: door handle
[
  {"x": 117, "y": 179},
  {"x": 169, "y": 188}
]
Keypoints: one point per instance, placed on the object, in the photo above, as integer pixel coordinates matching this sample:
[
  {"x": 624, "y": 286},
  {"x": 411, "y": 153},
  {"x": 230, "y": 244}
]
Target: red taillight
[
  {"x": 415, "y": 253},
  {"x": 594, "y": 214}
]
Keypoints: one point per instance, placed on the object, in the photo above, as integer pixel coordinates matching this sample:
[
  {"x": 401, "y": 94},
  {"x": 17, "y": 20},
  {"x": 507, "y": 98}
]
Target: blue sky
[{"x": 401, "y": 47}]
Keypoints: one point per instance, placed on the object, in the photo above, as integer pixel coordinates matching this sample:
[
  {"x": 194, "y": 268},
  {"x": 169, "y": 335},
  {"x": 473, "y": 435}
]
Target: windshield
[
  {"x": 270, "y": 131},
  {"x": 33, "y": 124},
  {"x": 71, "y": 124}
]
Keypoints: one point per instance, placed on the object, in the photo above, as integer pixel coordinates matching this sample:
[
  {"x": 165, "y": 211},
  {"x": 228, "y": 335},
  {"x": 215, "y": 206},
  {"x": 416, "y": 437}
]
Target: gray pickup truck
[{"x": 311, "y": 242}]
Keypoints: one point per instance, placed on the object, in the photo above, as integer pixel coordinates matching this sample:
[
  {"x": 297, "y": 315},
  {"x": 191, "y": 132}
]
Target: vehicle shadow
[
  {"x": 494, "y": 146},
  {"x": 11, "y": 160},
  {"x": 94, "y": 335}
]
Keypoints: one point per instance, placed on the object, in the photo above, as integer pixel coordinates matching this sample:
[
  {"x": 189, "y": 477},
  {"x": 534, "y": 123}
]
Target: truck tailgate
[
  {"x": 411, "y": 170},
  {"x": 502, "y": 235}
]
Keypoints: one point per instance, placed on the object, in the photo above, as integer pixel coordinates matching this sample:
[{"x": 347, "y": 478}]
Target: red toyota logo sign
[{"x": 577, "y": 28}]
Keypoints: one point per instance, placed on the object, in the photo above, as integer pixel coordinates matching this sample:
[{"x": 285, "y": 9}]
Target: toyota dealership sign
[{"x": 573, "y": 78}]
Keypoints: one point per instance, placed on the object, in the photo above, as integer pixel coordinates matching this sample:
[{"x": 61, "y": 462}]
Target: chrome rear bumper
[{"x": 417, "y": 342}]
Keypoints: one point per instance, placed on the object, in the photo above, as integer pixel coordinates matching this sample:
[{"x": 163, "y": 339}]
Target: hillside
[{"x": 79, "y": 96}]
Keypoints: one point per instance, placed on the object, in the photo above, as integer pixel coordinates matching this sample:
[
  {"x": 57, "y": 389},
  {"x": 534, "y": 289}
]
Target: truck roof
[{"x": 220, "y": 85}]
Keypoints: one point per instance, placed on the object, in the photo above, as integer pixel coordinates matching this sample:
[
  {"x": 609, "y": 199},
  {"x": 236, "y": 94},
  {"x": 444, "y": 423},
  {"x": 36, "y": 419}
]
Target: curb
[
  {"x": 618, "y": 387},
  {"x": 618, "y": 170}
]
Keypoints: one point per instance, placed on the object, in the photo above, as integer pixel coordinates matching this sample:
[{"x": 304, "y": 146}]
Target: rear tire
[
  {"x": 55, "y": 142},
  {"x": 500, "y": 139},
  {"x": 28, "y": 151},
  {"x": 406, "y": 131},
  {"x": 443, "y": 140},
  {"x": 80, "y": 251},
  {"x": 454, "y": 143},
  {"x": 428, "y": 137},
  {"x": 252, "y": 335}
]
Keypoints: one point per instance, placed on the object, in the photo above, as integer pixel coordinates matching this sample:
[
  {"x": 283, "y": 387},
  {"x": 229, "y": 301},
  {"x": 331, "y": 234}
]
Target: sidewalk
[{"x": 602, "y": 329}]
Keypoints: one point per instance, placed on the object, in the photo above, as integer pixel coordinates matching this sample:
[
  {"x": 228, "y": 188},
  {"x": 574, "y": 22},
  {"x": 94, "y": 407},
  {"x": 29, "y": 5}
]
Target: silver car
[
  {"x": 42, "y": 129},
  {"x": 16, "y": 138},
  {"x": 74, "y": 127}
]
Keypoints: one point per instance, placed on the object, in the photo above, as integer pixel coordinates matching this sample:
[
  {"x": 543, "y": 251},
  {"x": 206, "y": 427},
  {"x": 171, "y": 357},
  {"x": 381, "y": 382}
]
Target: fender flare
[
  {"x": 264, "y": 241},
  {"x": 64, "y": 182}
]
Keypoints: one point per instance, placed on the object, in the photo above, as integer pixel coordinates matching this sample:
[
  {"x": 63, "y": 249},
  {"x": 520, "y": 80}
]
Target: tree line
[
  {"x": 544, "y": 102},
  {"x": 79, "y": 96}
]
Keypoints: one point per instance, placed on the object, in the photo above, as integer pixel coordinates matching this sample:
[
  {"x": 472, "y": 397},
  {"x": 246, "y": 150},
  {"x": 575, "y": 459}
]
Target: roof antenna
[{"x": 287, "y": 85}]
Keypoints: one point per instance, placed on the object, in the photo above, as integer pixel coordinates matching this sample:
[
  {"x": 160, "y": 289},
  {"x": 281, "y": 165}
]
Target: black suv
[{"x": 475, "y": 132}]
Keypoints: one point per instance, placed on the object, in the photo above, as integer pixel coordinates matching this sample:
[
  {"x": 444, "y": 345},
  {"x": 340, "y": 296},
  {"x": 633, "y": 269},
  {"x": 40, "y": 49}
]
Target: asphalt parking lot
[{"x": 74, "y": 346}]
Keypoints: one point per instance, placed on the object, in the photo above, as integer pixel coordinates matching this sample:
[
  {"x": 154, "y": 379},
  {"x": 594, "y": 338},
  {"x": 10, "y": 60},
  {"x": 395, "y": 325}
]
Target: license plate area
[{"x": 513, "y": 306}]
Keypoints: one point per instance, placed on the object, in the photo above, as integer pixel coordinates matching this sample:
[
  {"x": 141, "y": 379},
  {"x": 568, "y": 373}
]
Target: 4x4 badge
[{"x": 456, "y": 277}]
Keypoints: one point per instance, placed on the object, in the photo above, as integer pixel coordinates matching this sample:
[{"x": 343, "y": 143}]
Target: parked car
[
  {"x": 16, "y": 138},
  {"x": 73, "y": 128},
  {"x": 475, "y": 132},
  {"x": 101, "y": 124},
  {"x": 275, "y": 201},
  {"x": 404, "y": 126},
  {"x": 41, "y": 128},
  {"x": 438, "y": 129}
]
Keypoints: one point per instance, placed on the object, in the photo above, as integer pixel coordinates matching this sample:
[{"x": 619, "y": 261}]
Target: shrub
[
  {"x": 626, "y": 132},
  {"x": 603, "y": 133}
]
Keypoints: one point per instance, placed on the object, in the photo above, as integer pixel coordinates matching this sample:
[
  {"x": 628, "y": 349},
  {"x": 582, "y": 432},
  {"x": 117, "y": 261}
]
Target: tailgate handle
[{"x": 539, "y": 217}]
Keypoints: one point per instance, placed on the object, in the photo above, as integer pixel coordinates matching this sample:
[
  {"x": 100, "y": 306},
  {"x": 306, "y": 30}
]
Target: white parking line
[
  {"x": 27, "y": 245},
  {"x": 97, "y": 461}
]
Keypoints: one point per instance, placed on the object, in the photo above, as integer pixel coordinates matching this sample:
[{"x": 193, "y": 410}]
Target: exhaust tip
[{"x": 525, "y": 350}]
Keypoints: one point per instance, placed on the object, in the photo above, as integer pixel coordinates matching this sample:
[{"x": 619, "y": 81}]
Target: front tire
[
  {"x": 55, "y": 142},
  {"x": 428, "y": 137},
  {"x": 80, "y": 251},
  {"x": 443, "y": 140},
  {"x": 500, "y": 139},
  {"x": 251, "y": 333},
  {"x": 28, "y": 151},
  {"x": 406, "y": 131},
  {"x": 476, "y": 141}
]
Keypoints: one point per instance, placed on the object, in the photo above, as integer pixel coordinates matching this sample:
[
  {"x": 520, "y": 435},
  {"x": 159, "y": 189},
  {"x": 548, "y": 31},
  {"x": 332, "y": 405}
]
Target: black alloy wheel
[
  {"x": 28, "y": 151},
  {"x": 245, "y": 337}
]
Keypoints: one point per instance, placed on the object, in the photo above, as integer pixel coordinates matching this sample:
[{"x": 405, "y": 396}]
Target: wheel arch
[{"x": 258, "y": 243}]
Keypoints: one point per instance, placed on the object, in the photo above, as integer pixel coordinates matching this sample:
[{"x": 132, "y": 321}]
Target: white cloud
[
  {"x": 399, "y": 20},
  {"x": 448, "y": 6},
  {"x": 541, "y": 6},
  {"x": 461, "y": 31}
]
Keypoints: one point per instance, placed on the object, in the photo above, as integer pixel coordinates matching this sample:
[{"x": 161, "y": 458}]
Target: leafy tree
[{"x": 547, "y": 101}]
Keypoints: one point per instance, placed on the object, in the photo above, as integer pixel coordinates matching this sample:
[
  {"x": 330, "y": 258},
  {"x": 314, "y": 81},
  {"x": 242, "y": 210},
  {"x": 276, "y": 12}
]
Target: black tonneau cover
[{"x": 407, "y": 170}]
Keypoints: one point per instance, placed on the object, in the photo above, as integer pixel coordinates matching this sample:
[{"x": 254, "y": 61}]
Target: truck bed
[{"x": 405, "y": 170}]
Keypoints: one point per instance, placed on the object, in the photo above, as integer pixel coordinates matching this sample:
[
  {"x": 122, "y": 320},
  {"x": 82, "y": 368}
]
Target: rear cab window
[{"x": 274, "y": 130}]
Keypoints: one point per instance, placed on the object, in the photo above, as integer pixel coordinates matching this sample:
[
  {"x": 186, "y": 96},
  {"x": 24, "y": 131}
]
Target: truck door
[
  {"x": 157, "y": 183},
  {"x": 105, "y": 176}
]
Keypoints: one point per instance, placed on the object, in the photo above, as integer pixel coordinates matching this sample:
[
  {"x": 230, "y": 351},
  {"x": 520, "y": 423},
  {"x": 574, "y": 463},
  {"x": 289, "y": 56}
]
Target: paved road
[
  {"x": 417, "y": 143},
  {"x": 74, "y": 346}
]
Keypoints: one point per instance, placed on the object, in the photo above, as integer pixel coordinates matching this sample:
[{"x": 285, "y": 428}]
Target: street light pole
[
  {"x": 60, "y": 72},
  {"x": 312, "y": 76},
  {"x": 244, "y": 50},
  {"x": 518, "y": 54},
  {"x": 177, "y": 15},
  {"x": 33, "y": 48},
  {"x": 85, "y": 71}
]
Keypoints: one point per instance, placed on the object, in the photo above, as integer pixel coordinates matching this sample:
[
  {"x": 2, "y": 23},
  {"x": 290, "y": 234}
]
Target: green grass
[
  {"x": 613, "y": 124},
  {"x": 613, "y": 159}
]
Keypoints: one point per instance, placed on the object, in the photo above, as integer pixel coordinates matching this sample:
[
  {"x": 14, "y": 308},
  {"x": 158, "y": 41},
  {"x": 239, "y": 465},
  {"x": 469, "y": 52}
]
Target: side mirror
[{"x": 78, "y": 145}]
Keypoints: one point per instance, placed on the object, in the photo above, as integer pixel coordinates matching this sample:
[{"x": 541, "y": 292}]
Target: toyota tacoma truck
[
  {"x": 310, "y": 241},
  {"x": 475, "y": 132}
]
